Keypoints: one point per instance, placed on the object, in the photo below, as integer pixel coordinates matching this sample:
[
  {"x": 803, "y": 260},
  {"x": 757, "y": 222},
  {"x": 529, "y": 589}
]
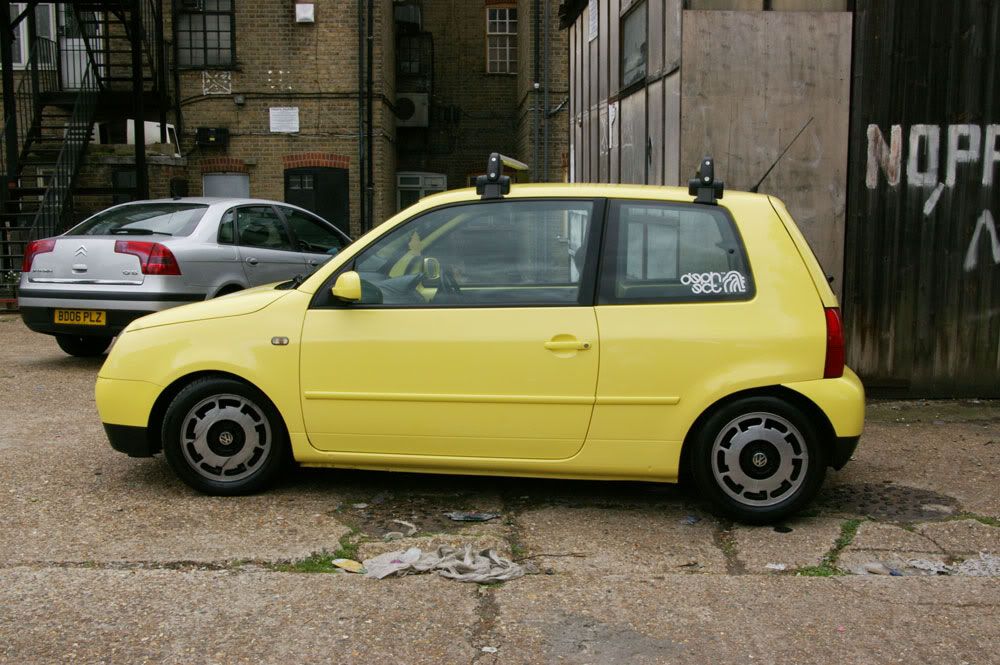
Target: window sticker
[{"x": 715, "y": 282}]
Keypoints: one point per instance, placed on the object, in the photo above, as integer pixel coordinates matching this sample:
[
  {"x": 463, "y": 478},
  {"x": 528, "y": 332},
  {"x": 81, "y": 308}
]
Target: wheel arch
[
  {"x": 158, "y": 412},
  {"x": 227, "y": 288},
  {"x": 809, "y": 408}
]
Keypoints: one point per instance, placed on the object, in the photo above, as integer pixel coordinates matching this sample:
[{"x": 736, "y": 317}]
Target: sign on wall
[{"x": 284, "y": 119}]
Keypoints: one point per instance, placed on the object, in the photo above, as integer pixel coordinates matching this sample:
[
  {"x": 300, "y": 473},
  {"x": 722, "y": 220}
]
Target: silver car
[{"x": 87, "y": 284}]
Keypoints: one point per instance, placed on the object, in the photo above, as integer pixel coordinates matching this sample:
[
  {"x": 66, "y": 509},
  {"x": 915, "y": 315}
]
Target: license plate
[{"x": 80, "y": 317}]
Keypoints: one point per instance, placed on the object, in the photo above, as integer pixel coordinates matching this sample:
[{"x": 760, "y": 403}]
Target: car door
[
  {"x": 476, "y": 337},
  {"x": 318, "y": 241},
  {"x": 676, "y": 314},
  {"x": 265, "y": 246}
]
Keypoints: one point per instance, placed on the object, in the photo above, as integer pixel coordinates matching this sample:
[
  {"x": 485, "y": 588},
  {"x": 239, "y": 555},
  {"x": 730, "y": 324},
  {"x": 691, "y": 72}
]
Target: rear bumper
[
  {"x": 133, "y": 441},
  {"x": 37, "y": 308},
  {"x": 843, "y": 449},
  {"x": 41, "y": 320}
]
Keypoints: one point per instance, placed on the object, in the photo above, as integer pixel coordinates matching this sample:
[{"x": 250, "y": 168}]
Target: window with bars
[
  {"x": 204, "y": 34},
  {"x": 501, "y": 40}
]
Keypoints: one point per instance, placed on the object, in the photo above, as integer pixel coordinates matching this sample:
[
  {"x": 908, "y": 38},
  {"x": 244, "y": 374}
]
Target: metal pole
[
  {"x": 535, "y": 83},
  {"x": 159, "y": 58},
  {"x": 135, "y": 32},
  {"x": 33, "y": 58},
  {"x": 9, "y": 103}
]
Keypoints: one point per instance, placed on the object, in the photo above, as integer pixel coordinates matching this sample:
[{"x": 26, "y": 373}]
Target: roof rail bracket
[
  {"x": 704, "y": 186},
  {"x": 494, "y": 185}
]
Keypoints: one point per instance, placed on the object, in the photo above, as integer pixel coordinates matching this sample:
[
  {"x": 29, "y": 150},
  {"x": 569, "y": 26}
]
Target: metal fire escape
[{"x": 108, "y": 59}]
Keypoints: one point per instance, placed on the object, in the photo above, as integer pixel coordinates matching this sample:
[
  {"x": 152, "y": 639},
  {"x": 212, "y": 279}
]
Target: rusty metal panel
[{"x": 922, "y": 259}]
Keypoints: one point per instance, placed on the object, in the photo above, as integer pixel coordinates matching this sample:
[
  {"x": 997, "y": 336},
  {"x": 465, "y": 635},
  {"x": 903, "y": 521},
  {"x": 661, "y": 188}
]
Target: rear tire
[
  {"x": 224, "y": 437},
  {"x": 83, "y": 346},
  {"x": 758, "y": 459}
]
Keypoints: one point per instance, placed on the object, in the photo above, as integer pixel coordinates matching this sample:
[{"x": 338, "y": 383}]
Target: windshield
[{"x": 174, "y": 219}]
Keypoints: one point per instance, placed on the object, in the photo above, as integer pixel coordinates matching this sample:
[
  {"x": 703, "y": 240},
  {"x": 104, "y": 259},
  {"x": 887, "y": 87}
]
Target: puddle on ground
[{"x": 889, "y": 502}]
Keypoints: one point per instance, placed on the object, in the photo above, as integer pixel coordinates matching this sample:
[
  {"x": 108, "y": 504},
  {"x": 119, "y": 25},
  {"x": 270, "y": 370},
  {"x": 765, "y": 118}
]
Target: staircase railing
[
  {"x": 57, "y": 201},
  {"x": 43, "y": 59}
]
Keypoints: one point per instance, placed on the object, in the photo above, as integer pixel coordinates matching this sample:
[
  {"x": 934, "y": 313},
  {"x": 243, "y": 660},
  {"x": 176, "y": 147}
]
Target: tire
[
  {"x": 224, "y": 437},
  {"x": 83, "y": 346},
  {"x": 758, "y": 459}
]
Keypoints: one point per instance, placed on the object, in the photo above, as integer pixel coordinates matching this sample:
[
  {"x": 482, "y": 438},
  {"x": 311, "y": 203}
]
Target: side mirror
[
  {"x": 347, "y": 287},
  {"x": 432, "y": 269}
]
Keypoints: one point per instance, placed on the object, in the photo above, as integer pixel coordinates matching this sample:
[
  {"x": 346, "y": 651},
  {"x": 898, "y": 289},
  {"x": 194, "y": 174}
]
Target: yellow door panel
[
  {"x": 666, "y": 362},
  {"x": 470, "y": 382}
]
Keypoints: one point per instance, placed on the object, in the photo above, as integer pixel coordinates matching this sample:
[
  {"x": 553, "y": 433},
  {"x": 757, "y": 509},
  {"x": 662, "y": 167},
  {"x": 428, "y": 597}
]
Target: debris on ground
[
  {"x": 877, "y": 568},
  {"x": 410, "y": 527},
  {"x": 984, "y": 565},
  {"x": 393, "y": 535},
  {"x": 460, "y": 564},
  {"x": 359, "y": 506},
  {"x": 489, "y": 649},
  {"x": 471, "y": 516},
  {"x": 350, "y": 565},
  {"x": 776, "y": 566},
  {"x": 690, "y": 519}
]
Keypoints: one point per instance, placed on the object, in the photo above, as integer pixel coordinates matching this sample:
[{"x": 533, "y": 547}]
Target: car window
[
  {"x": 671, "y": 253},
  {"x": 175, "y": 219},
  {"x": 260, "y": 226},
  {"x": 311, "y": 234},
  {"x": 227, "y": 232},
  {"x": 502, "y": 253}
]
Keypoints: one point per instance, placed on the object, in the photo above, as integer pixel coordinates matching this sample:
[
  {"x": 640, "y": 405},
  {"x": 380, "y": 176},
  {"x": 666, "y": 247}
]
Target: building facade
[{"x": 352, "y": 109}]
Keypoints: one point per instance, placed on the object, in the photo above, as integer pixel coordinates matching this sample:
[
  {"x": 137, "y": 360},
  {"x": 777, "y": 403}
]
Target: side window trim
[
  {"x": 609, "y": 262},
  {"x": 588, "y": 288}
]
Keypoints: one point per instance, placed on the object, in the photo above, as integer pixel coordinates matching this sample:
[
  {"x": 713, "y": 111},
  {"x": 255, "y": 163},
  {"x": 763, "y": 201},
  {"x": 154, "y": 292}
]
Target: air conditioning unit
[{"x": 412, "y": 109}]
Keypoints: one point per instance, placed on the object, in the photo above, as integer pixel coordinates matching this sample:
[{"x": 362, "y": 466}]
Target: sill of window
[{"x": 210, "y": 68}]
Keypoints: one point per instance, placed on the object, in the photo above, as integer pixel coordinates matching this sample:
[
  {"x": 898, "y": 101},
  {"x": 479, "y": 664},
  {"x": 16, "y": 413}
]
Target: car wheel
[
  {"x": 83, "y": 346},
  {"x": 758, "y": 459},
  {"x": 224, "y": 437}
]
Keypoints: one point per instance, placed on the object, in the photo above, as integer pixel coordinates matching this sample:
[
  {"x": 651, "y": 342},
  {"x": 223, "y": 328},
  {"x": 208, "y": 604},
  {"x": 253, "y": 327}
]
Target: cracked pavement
[{"x": 104, "y": 558}]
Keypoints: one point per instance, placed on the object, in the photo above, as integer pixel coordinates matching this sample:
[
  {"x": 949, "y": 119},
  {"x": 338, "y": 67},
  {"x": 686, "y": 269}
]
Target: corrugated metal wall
[{"x": 922, "y": 266}]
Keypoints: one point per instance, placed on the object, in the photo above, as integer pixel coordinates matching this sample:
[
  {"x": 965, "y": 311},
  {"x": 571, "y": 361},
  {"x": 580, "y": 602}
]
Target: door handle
[
  {"x": 566, "y": 345},
  {"x": 314, "y": 262},
  {"x": 252, "y": 260}
]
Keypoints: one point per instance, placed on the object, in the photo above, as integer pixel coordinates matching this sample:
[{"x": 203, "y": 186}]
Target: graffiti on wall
[{"x": 965, "y": 146}]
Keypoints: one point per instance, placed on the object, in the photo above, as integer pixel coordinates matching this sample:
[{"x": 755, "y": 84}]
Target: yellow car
[{"x": 615, "y": 332}]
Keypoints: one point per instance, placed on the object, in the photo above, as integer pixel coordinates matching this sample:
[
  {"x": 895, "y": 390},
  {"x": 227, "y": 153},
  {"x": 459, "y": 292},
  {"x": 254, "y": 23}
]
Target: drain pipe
[
  {"x": 545, "y": 94},
  {"x": 361, "y": 117},
  {"x": 370, "y": 141},
  {"x": 534, "y": 86}
]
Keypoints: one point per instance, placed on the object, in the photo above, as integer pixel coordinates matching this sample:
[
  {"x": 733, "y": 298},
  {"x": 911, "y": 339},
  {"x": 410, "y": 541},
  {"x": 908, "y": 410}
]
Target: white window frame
[
  {"x": 21, "y": 61},
  {"x": 501, "y": 39},
  {"x": 423, "y": 182}
]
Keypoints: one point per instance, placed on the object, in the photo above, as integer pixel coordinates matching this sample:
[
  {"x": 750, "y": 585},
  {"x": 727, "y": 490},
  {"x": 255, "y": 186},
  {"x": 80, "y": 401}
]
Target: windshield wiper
[
  {"x": 125, "y": 231},
  {"x": 293, "y": 283}
]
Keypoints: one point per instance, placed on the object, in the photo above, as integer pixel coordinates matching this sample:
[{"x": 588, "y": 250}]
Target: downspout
[
  {"x": 534, "y": 87},
  {"x": 361, "y": 117},
  {"x": 370, "y": 185},
  {"x": 9, "y": 103},
  {"x": 545, "y": 94}
]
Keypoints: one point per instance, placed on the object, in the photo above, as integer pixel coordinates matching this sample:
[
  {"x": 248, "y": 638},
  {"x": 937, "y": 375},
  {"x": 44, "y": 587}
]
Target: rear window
[{"x": 174, "y": 219}]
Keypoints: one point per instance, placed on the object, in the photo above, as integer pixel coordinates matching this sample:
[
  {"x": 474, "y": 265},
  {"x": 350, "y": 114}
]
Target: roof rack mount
[
  {"x": 495, "y": 184},
  {"x": 704, "y": 186}
]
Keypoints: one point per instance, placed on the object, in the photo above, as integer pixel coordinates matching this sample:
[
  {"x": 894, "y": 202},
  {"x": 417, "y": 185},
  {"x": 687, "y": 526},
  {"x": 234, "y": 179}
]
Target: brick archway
[
  {"x": 316, "y": 159},
  {"x": 223, "y": 165}
]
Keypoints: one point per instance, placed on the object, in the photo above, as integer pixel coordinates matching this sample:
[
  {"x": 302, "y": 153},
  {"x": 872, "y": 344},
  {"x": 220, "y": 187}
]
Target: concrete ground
[{"x": 104, "y": 558}]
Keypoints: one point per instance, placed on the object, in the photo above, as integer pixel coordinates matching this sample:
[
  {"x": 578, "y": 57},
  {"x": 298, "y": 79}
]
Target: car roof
[
  {"x": 588, "y": 190},
  {"x": 214, "y": 200}
]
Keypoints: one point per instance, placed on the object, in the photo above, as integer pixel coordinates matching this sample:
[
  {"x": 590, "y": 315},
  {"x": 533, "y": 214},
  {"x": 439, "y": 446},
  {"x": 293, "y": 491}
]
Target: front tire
[
  {"x": 224, "y": 437},
  {"x": 758, "y": 459},
  {"x": 83, "y": 346}
]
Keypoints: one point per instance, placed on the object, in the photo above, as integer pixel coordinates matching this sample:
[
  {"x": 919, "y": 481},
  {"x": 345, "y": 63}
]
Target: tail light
[
  {"x": 834, "y": 366},
  {"x": 34, "y": 248},
  {"x": 154, "y": 258}
]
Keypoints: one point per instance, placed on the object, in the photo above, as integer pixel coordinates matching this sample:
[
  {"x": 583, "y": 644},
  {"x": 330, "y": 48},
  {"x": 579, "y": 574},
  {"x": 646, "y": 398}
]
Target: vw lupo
[{"x": 575, "y": 331}]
